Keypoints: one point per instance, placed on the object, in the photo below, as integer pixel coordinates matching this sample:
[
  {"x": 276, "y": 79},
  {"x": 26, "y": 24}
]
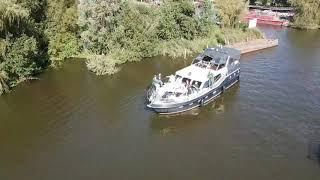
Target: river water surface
[{"x": 71, "y": 124}]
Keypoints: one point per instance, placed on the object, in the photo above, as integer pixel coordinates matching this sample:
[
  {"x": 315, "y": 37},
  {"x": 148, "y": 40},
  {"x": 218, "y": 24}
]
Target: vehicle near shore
[{"x": 209, "y": 75}]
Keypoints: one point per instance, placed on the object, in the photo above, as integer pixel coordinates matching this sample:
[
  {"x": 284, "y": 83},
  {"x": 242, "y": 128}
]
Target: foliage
[
  {"x": 61, "y": 30},
  {"x": 117, "y": 32},
  {"x": 22, "y": 58},
  {"x": 208, "y": 18},
  {"x": 230, "y": 11},
  {"x": 37, "y": 33},
  {"x": 21, "y": 42},
  {"x": 308, "y": 14},
  {"x": 62, "y": 46},
  {"x": 230, "y": 36},
  {"x": 96, "y": 21},
  {"x": 178, "y": 20},
  {"x": 135, "y": 33},
  {"x": 11, "y": 15},
  {"x": 4, "y": 88},
  {"x": 101, "y": 65}
]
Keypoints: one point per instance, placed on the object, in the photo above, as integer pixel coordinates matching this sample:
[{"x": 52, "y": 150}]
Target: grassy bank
[
  {"x": 177, "y": 48},
  {"x": 136, "y": 30}
]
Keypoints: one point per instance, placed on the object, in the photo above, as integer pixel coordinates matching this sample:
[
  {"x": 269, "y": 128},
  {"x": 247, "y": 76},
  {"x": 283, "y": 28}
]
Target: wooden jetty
[{"x": 254, "y": 45}]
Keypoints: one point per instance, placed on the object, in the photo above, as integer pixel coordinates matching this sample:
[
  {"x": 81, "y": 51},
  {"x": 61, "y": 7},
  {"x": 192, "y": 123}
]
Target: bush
[
  {"x": 101, "y": 65},
  {"x": 62, "y": 46},
  {"x": 22, "y": 59}
]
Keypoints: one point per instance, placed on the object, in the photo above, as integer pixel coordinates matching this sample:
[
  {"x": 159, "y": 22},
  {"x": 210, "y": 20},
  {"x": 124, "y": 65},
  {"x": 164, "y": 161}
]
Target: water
[{"x": 71, "y": 124}]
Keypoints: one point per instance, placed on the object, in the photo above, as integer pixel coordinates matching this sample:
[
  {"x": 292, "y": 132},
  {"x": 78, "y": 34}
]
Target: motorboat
[{"x": 210, "y": 74}]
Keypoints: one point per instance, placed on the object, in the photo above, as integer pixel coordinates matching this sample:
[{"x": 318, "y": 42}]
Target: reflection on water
[{"x": 168, "y": 124}]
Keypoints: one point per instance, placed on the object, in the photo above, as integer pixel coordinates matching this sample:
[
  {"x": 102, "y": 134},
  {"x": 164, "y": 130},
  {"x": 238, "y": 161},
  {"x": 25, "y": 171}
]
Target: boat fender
[
  {"x": 222, "y": 89},
  {"x": 202, "y": 102}
]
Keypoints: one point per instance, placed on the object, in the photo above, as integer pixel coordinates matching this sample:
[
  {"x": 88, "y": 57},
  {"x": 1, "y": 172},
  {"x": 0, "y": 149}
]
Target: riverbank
[
  {"x": 111, "y": 34},
  {"x": 178, "y": 48}
]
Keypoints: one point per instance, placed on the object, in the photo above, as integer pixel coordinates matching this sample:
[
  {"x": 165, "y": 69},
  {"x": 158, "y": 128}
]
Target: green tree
[
  {"x": 308, "y": 14},
  {"x": 11, "y": 16},
  {"x": 230, "y": 11},
  {"x": 22, "y": 58},
  {"x": 21, "y": 41},
  {"x": 177, "y": 20},
  {"x": 61, "y": 30},
  {"x": 208, "y": 17},
  {"x": 97, "y": 21}
]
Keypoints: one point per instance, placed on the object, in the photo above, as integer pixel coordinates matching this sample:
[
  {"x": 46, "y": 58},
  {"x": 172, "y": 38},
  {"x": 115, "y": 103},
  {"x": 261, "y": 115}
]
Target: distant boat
[
  {"x": 267, "y": 17},
  {"x": 209, "y": 75}
]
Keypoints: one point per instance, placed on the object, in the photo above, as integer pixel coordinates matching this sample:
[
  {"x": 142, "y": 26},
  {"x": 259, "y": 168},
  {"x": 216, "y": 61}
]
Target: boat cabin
[
  {"x": 217, "y": 57},
  {"x": 204, "y": 70}
]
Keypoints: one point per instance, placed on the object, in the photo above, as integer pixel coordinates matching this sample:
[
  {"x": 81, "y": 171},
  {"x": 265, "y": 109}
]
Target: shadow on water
[{"x": 170, "y": 124}]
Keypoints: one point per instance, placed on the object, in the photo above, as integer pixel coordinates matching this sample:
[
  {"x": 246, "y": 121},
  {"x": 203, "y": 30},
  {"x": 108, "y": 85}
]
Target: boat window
[
  {"x": 221, "y": 66},
  {"x": 217, "y": 60},
  {"x": 216, "y": 78},
  {"x": 186, "y": 80},
  {"x": 206, "y": 84},
  {"x": 196, "y": 84},
  {"x": 231, "y": 60},
  {"x": 207, "y": 58}
]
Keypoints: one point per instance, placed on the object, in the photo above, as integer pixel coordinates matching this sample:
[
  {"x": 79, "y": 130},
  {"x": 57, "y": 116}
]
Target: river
[{"x": 71, "y": 124}]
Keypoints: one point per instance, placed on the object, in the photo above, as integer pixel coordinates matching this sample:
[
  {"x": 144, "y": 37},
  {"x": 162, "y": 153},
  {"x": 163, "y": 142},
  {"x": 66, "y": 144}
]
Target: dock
[{"x": 254, "y": 45}]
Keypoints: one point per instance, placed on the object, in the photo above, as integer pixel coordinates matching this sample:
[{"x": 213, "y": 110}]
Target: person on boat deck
[
  {"x": 189, "y": 83},
  {"x": 156, "y": 80},
  {"x": 197, "y": 85},
  {"x": 160, "y": 80}
]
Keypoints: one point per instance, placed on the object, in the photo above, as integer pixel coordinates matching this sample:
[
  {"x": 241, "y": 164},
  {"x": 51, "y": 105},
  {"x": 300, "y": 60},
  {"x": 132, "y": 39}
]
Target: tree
[
  {"x": 96, "y": 21},
  {"x": 229, "y": 11},
  {"x": 11, "y": 16},
  {"x": 308, "y": 14},
  {"x": 208, "y": 17},
  {"x": 61, "y": 30},
  {"x": 177, "y": 20},
  {"x": 21, "y": 44}
]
